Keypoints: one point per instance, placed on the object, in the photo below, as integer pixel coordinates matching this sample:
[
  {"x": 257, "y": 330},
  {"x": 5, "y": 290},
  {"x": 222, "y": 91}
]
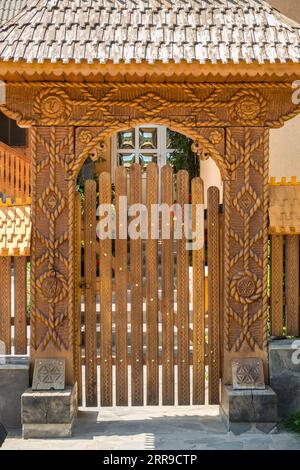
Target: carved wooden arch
[{"x": 91, "y": 140}]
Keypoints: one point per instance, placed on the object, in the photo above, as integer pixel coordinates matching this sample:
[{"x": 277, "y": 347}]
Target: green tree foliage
[{"x": 183, "y": 158}]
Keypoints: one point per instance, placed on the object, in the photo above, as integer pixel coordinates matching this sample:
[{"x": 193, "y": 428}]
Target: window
[
  {"x": 10, "y": 133},
  {"x": 143, "y": 145}
]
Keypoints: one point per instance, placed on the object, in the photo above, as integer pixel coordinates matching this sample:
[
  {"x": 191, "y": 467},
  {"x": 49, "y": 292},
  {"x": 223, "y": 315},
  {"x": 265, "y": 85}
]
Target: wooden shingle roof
[
  {"x": 9, "y": 9},
  {"x": 101, "y": 31}
]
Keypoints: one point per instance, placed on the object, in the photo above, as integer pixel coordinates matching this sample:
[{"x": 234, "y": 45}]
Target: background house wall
[
  {"x": 290, "y": 8},
  {"x": 284, "y": 142}
]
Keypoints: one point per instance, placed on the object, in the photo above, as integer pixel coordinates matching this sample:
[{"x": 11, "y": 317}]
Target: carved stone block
[
  {"x": 247, "y": 374},
  {"x": 49, "y": 374}
]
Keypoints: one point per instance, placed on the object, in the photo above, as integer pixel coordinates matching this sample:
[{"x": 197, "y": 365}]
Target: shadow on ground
[{"x": 160, "y": 428}]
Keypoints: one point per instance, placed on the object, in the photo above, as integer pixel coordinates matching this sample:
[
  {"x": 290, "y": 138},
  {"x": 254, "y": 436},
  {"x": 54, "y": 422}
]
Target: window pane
[
  {"x": 126, "y": 139},
  {"x": 126, "y": 159},
  {"x": 148, "y": 138},
  {"x": 169, "y": 138},
  {"x": 169, "y": 156},
  {"x": 146, "y": 159}
]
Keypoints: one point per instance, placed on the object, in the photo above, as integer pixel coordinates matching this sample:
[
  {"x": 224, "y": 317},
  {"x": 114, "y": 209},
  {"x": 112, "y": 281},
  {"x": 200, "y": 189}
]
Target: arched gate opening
[{"x": 149, "y": 257}]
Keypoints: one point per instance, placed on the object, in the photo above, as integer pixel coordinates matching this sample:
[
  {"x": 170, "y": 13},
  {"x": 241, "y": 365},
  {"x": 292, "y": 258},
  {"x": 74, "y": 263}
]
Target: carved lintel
[{"x": 185, "y": 107}]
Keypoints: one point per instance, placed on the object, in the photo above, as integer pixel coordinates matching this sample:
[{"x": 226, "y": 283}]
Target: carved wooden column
[
  {"x": 52, "y": 271},
  {"x": 245, "y": 256}
]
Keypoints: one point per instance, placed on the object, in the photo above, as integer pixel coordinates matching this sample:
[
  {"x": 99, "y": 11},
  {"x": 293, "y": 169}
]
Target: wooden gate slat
[
  {"x": 105, "y": 300},
  {"x": 167, "y": 303},
  {"x": 5, "y": 302},
  {"x": 136, "y": 293},
  {"x": 198, "y": 295},
  {"x": 20, "y": 298},
  {"x": 121, "y": 277},
  {"x": 292, "y": 285},
  {"x": 213, "y": 295},
  {"x": 221, "y": 361},
  {"x": 152, "y": 290},
  {"x": 183, "y": 297},
  {"x": 77, "y": 301},
  {"x": 276, "y": 285},
  {"x": 90, "y": 292}
]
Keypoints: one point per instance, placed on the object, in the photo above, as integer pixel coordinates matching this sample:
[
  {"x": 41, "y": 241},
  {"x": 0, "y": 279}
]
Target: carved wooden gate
[{"x": 148, "y": 310}]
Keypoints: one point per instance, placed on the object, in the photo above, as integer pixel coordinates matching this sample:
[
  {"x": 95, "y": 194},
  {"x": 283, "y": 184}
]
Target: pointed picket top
[{"x": 124, "y": 31}]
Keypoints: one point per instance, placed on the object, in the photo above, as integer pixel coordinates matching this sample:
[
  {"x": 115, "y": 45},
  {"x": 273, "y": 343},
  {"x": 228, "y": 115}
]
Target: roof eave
[{"x": 136, "y": 72}]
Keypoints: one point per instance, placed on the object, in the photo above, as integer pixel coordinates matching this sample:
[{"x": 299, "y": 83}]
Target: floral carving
[
  {"x": 245, "y": 287},
  {"x": 85, "y": 136},
  {"x": 215, "y": 137},
  {"x": 53, "y": 286}
]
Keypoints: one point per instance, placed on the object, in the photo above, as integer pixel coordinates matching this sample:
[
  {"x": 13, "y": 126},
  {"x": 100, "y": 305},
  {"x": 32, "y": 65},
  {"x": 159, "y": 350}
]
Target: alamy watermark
[
  {"x": 137, "y": 221},
  {"x": 296, "y": 94},
  {"x": 296, "y": 353}
]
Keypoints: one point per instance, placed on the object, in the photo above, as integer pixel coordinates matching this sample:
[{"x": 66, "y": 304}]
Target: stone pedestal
[
  {"x": 14, "y": 380},
  {"x": 49, "y": 414},
  {"x": 285, "y": 375},
  {"x": 249, "y": 406}
]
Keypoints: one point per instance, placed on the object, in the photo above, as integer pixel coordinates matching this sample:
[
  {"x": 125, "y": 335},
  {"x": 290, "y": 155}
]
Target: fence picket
[
  {"x": 292, "y": 285},
  {"x": 198, "y": 296},
  {"x": 121, "y": 276},
  {"x": 105, "y": 300},
  {"x": 136, "y": 317},
  {"x": 77, "y": 300},
  {"x": 90, "y": 292},
  {"x": 20, "y": 301},
  {"x": 276, "y": 285},
  {"x": 183, "y": 297},
  {"x": 5, "y": 303},
  {"x": 152, "y": 291},
  {"x": 213, "y": 229},
  {"x": 167, "y": 303}
]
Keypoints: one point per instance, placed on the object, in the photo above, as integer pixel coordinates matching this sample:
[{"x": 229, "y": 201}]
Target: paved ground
[{"x": 157, "y": 428}]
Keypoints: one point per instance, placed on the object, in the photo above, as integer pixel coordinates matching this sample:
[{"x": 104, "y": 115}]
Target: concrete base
[
  {"x": 14, "y": 380},
  {"x": 249, "y": 406},
  {"x": 48, "y": 414},
  {"x": 47, "y": 431},
  {"x": 285, "y": 375}
]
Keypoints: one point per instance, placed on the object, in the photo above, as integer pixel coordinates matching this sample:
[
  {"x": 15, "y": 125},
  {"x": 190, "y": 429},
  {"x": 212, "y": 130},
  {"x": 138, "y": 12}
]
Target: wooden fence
[
  {"x": 141, "y": 313},
  {"x": 284, "y": 285},
  {"x": 14, "y": 172},
  {"x": 14, "y": 305}
]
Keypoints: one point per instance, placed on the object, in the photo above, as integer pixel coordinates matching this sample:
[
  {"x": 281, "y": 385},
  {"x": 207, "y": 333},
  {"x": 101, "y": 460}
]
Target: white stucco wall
[
  {"x": 285, "y": 150},
  {"x": 284, "y": 156}
]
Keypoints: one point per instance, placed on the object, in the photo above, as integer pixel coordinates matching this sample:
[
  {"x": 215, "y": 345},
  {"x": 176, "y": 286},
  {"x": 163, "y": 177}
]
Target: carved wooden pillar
[
  {"x": 245, "y": 254},
  {"x": 52, "y": 273}
]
